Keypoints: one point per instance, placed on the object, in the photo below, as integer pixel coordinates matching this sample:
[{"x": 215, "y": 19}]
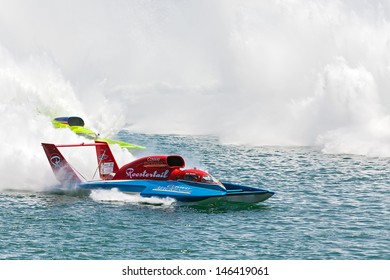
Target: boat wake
[{"x": 115, "y": 196}]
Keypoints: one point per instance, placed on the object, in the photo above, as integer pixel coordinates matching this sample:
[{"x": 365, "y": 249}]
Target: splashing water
[
  {"x": 253, "y": 72},
  {"x": 114, "y": 195}
]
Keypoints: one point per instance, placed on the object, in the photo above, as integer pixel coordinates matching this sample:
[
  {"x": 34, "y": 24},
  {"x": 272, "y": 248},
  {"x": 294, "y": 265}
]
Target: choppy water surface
[{"x": 325, "y": 207}]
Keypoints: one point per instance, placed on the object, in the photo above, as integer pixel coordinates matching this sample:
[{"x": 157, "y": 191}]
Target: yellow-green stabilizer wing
[
  {"x": 122, "y": 144},
  {"x": 77, "y": 126}
]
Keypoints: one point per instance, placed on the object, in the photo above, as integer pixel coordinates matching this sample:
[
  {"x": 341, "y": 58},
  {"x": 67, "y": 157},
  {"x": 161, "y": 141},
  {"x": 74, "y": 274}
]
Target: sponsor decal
[
  {"x": 154, "y": 162},
  {"x": 173, "y": 188},
  {"x": 145, "y": 174},
  {"x": 149, "y": 159},
  {"x": 106, "y": 168},
  {"x": 103, "y": 157},
  {"x": 55, "y": 160}
]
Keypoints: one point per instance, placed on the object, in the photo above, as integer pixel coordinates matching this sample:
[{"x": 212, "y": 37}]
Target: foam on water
[
  {"x": 253, "y": 72},
  {"x": 114, "y": 195}
]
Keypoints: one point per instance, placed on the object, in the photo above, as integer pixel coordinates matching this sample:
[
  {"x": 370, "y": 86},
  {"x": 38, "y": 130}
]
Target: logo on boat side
[
  {"x": 102, "y": 157},
  {"x": 55, "y": 160},
  {"x": 174, "y": 188},
  {"x": 132, "y": 175},
  {"x": 154, "y": 162},
  {"x": 151, "y": 159}
]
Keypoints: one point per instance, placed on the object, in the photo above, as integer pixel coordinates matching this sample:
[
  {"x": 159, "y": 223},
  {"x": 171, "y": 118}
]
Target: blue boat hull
[{"x": 183, "y": 191}]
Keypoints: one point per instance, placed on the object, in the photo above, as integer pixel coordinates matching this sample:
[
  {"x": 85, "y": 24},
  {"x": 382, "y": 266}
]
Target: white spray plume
[{"x": 251, "y": 72}]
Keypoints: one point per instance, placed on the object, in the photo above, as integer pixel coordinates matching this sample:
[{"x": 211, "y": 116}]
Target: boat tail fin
[
  {"x": 61, "y": 168},
  {"x": 106, "y": 161}
]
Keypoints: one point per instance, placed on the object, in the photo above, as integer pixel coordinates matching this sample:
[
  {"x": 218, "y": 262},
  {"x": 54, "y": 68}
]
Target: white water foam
[
  {"x": 114, "y": 195},
  {"x": 32, "y": 91},
  {"x": 251, "y": 72}
]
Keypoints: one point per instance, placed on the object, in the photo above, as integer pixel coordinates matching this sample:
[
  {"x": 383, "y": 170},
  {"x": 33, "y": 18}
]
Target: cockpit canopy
[{"x": 196, "y": 175}]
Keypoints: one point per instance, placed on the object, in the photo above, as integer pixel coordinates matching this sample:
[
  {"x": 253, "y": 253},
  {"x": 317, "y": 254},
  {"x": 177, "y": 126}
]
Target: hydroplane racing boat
[{"x": 152, "y": 176}]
